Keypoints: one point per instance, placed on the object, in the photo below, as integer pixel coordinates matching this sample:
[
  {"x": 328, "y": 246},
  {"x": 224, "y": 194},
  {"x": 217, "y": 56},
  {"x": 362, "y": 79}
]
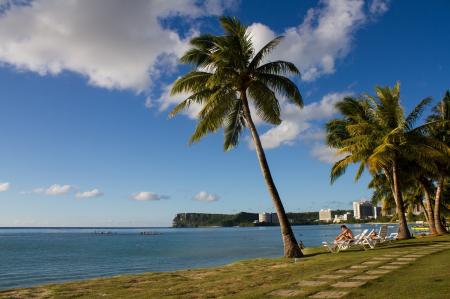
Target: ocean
[{"x": 33, "y": 256}]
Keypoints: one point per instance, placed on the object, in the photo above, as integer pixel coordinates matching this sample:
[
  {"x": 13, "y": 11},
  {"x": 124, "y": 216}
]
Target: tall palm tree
[
  {"x": 441, "y": 131},
  {"x": 382, "y": 193},
  {"x": 374, "y": 133},
  {"x": 228, "y": 75}
]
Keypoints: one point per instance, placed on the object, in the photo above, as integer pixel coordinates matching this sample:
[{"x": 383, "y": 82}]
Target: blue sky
[{"x": 84, "y": 103}]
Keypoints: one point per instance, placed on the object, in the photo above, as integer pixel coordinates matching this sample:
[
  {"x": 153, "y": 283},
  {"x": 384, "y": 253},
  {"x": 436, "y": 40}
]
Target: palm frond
[
  {"x": 283, "y": 86},
  {"x": 278, "y": 67},
  {"x": 193, "y": 81},
  {"x": 339, "y": 168},
  {"x": 234, "y": 124},
  {"x": 264, "y": 51},
  {"x": 266, "y": 104},
  {"x": 416, "y": 113}
]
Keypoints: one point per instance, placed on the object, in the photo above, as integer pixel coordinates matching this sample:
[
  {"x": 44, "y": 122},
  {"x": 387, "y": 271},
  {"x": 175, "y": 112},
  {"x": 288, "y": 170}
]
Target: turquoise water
[{"x": 36, "y": 256}]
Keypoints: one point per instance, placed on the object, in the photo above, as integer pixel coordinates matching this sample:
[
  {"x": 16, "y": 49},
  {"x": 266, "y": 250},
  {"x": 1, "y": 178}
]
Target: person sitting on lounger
[
  {"x": 346, "y": 234},
  {"x": 373, "y": 235}
]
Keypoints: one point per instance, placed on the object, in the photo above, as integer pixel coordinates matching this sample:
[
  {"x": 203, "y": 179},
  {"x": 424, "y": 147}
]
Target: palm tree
[
  {"x": 374, "y": 133},
  {"x": 226, "y": 78},
  {"x": 382, "y": 193},
  {"x": 441, "y": 131},
  {"x": 426, "y": 186}
]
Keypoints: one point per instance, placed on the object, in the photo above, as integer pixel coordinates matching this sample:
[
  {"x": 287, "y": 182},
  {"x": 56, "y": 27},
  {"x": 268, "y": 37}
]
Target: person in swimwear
[{"x": 346, "y": 234}]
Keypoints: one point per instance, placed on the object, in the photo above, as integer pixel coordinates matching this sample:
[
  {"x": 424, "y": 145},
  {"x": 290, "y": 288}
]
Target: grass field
[{"x": 425, "y": 277}]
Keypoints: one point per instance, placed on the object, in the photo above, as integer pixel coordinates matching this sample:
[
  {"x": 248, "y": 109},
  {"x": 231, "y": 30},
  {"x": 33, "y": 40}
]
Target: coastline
[{"x": 277, "y": 272}]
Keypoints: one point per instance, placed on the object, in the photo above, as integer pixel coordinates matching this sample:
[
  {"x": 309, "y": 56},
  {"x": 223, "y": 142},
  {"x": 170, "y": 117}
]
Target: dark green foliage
[
  {"x": 225, "y": 68},
  {"x": 203, "y": 219}
]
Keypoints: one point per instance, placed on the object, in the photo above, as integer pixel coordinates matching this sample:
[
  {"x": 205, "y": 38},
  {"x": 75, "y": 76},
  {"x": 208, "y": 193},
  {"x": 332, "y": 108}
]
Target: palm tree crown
[{"x": 225, "y": 69}]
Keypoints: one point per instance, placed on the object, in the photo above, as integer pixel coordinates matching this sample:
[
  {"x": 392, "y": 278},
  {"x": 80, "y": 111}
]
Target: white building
[
  {"x": 325, "y": 215},
  {"x": 264, "y": 217},
  {"x": 363, "y": 209},
  {"x": 268, "y": 218},
  {"x": 376, "y": 212},
  {"x": 342, "y": 218}
]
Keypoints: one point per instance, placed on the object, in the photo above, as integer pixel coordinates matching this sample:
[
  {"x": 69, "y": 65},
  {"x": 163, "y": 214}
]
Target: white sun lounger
[
  {"x": 335, "y": 247},
  {"x": 369, "y": 242}
]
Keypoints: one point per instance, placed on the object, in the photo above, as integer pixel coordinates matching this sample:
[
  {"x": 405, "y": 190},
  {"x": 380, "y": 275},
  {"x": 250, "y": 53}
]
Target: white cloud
[
  {"x": 297, "y": 121},
  {"x": 4, "y": 186},
  {"x": 205, "y": 196},
  {"x": 89, "y": 194},
  {"x": 324, "y": 153},
  {"x": 115, "y": 44},
  {"x": 378, "y": 7},
  {"x": 148, "y": 103},
  {"x": 324, "y": 36},
  {"x": 54, "y": 189},
  {"x": 148, "y": 196},
  {"x": 166, "y": 100}
]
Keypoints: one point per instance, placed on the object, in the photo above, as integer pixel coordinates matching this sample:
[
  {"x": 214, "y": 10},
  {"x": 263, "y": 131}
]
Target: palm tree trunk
[
  {"x": 437, "y": 208},
  {"x": 428, "y": 208},
  {"x": 291, "y": 247},
  {"x": 403, "y": 231},
  {"x": 427, "y": 219}
]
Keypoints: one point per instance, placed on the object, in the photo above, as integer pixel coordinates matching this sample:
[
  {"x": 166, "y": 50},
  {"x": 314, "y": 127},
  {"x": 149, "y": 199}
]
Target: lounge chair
[
  {"x": 369, "y": 242},
  {"x": 380, "y": 237},
  {"x": 335, "y": 247},
  {"x": 391, "y": 237}
]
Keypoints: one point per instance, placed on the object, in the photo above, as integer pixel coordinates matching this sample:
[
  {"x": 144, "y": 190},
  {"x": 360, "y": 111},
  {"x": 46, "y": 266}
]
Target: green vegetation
[
  {"x": 228, "y": 77},
  {"x": 427, "y": 277},
  {"x": 408, "y": 163},
  {"x": 202, "y": 219},
  {"x": 242, "y": 219}
]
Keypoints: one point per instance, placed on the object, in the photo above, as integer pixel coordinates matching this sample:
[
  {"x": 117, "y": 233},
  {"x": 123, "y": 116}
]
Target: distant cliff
[
  {"x": 202, "y": 219},
  {"x": 240, "y": 219}
]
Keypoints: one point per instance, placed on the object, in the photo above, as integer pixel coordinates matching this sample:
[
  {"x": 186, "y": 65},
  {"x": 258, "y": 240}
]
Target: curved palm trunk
[
  {"x": 403, "y": 231},
  {"x": 428, "y": 208},
  {"x": 437, "y": 208},
  {"x": 291, "y": 248}
]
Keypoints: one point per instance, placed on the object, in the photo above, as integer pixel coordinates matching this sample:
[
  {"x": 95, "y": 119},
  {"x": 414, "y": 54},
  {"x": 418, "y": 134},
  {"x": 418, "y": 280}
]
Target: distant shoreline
[{"x": 169, "y": 227}]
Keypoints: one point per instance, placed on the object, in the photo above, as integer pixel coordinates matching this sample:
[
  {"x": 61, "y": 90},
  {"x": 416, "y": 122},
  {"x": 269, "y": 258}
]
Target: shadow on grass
[{"x": 420, "y": 243}]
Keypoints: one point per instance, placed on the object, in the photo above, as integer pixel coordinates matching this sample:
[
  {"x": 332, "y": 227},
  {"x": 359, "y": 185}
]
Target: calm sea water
[{"x": 30, "y": 256}]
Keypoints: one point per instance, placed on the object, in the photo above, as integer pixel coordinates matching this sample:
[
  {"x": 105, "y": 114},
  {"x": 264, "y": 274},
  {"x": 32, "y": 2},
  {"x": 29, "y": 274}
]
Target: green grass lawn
[{"x": 427, "y": 277}]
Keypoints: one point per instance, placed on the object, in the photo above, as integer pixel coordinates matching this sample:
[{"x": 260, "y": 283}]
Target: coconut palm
[
  {"x": 441, "y": 131},
  {"x": 382, "y": 193},
  {"x": 374, "y": 133},
  {"x": 228, "y": 77},
  {"x": 427, "y": 189}
]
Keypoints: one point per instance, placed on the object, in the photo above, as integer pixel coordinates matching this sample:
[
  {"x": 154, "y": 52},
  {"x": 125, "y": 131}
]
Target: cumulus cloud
[
  {"x": 324, "y": 36},
  {"x": 205, "y": 196},
  {"x": 114, "y": 44},
  {"x": 148, "y": 196},
  {"x": 297, "y": 121},
  {"x": 54, "y": 189},
  {"x": 4, "y": 186},
  {"x": 315, "y": 45},
  {"x": 89, "y": 194}
]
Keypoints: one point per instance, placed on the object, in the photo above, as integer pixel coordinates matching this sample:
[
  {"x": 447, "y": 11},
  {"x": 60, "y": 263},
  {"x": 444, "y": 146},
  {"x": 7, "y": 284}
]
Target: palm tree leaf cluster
[
  {"x": 404, "y": 159},
  {"x": 224, "y": 67}
]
